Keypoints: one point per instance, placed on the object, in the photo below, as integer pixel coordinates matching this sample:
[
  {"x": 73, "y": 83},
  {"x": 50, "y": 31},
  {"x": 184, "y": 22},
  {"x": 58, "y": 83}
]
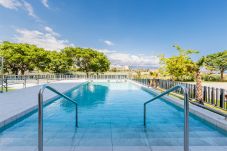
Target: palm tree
[{"x": 199, "y": 93}]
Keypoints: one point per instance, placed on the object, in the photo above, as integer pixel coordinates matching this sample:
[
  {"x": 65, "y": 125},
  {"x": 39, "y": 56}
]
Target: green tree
[
  {"x": 20, "y": 58},
  {"x": 218, "y": 62},
  {"x": 154, "y": 74},
  {"x": 41, "y": 59},
  {"x": 71, "y": 53},
  {"x": 180, "y": 66},
  {"x": 99, "y": 63},
  {"x": 87, "y": 60},
  {"x": 58, "y": 62},
  {"x": 17, "y": 57}
]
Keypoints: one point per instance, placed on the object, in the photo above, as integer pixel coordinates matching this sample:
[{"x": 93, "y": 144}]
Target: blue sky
[{"x": 130, "y": 32}]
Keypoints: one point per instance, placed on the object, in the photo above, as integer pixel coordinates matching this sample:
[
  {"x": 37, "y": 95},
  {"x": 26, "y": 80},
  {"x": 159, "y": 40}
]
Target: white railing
[{"x": 24, "y": 80}]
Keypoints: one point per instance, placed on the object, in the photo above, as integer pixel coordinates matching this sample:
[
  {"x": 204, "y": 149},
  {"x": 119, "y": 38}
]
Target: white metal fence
[{"x": 30, "y": 80}]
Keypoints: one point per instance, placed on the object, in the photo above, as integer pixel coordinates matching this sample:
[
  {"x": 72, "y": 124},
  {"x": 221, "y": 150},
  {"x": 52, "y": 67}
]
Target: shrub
[{"x": 211, "y": 77}]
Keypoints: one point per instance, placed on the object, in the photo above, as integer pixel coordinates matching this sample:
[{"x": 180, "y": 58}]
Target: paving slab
[{"x": 18, "y": 103}]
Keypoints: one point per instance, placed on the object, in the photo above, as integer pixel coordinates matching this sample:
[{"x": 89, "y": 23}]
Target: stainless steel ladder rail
[
  {"x": 40, "y": 112},
  {"x": 186, "y": 112}
]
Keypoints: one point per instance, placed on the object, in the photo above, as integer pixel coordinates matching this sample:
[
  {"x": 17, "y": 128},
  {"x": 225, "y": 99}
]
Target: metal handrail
[
  {"x": 40, "y": 112},
  {"x": 186, "y": 112}
]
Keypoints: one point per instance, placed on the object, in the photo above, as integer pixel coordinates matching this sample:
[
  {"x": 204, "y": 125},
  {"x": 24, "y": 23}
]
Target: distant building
[{"x": 119, "y": 68}]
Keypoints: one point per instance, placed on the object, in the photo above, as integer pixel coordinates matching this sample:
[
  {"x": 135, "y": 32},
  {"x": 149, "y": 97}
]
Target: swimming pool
[{"x": 111, "y": 118}]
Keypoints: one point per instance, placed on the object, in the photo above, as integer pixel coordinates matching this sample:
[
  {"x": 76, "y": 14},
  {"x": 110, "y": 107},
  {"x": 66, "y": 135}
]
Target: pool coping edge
[
  {"x": 213, "y": 118},
  {"x": 5, "y": 123}
]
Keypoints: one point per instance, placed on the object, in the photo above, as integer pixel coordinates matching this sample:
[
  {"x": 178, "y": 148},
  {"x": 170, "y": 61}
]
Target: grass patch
[{"x": 9, "y": 89}]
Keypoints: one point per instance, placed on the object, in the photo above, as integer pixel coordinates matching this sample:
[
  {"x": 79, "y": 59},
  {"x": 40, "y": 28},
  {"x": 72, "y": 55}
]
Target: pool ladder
[
  {"x": 40, "y": 112},
  {"x": 186, "y": 112}
]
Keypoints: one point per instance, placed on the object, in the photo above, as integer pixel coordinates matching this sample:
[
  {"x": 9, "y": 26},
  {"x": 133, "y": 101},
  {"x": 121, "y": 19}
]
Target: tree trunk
[
  {"x": 87, "y": 74},
  {"x": 222, "y": 75},
  {"x": 152, "y": 82},
  {"x": 199, "y": 93},
  {"x": 16, "y": 71},
  {"x": 22, "y": 72}
]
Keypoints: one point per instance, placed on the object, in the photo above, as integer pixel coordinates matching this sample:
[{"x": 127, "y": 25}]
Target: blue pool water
[{"x": 111, "y": 116}]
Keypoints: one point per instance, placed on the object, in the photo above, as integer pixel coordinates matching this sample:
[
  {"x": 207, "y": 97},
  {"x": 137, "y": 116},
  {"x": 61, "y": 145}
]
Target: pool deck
[{"x": 18, "y": 103}]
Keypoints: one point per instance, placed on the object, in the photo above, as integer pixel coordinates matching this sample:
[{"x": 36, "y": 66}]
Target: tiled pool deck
[
  {"x": 94, "y": 138},
  {"x": 15, "y": 104}
]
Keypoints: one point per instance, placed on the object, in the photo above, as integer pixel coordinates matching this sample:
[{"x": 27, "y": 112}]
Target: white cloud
[
  {"x": 10, "y": 4},
  {"x": 47, "y": 38},
  {"x": 118, "y": 58},
  {"x": 28, "y": 7},
  {"x": 45, "y": 3},
  {"x": 19, "y": 4},
  {"x": 51, "y": 31},
  {"x": 109, "y": 43}
]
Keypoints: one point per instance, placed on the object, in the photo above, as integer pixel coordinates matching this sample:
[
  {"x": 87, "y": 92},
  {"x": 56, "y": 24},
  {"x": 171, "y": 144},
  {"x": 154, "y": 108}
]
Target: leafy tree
[
  {"x": 99, "y": 63},
  {"x": 58, "y": 62},
  {"x": 79, "y": 57},
  {"x": 218, "y": 62},
  {"x": 87, "y": 60},
  {"x": 6, "y": 52},
  {"x": 71, "y": 53},
  {"x": 41, "y": 59},
  {"x": 25, "y": 57},
  {"x": 179, "y": 66},
  {"x": 154, "y": 74},
  {"x": 17, "y": 57}
]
